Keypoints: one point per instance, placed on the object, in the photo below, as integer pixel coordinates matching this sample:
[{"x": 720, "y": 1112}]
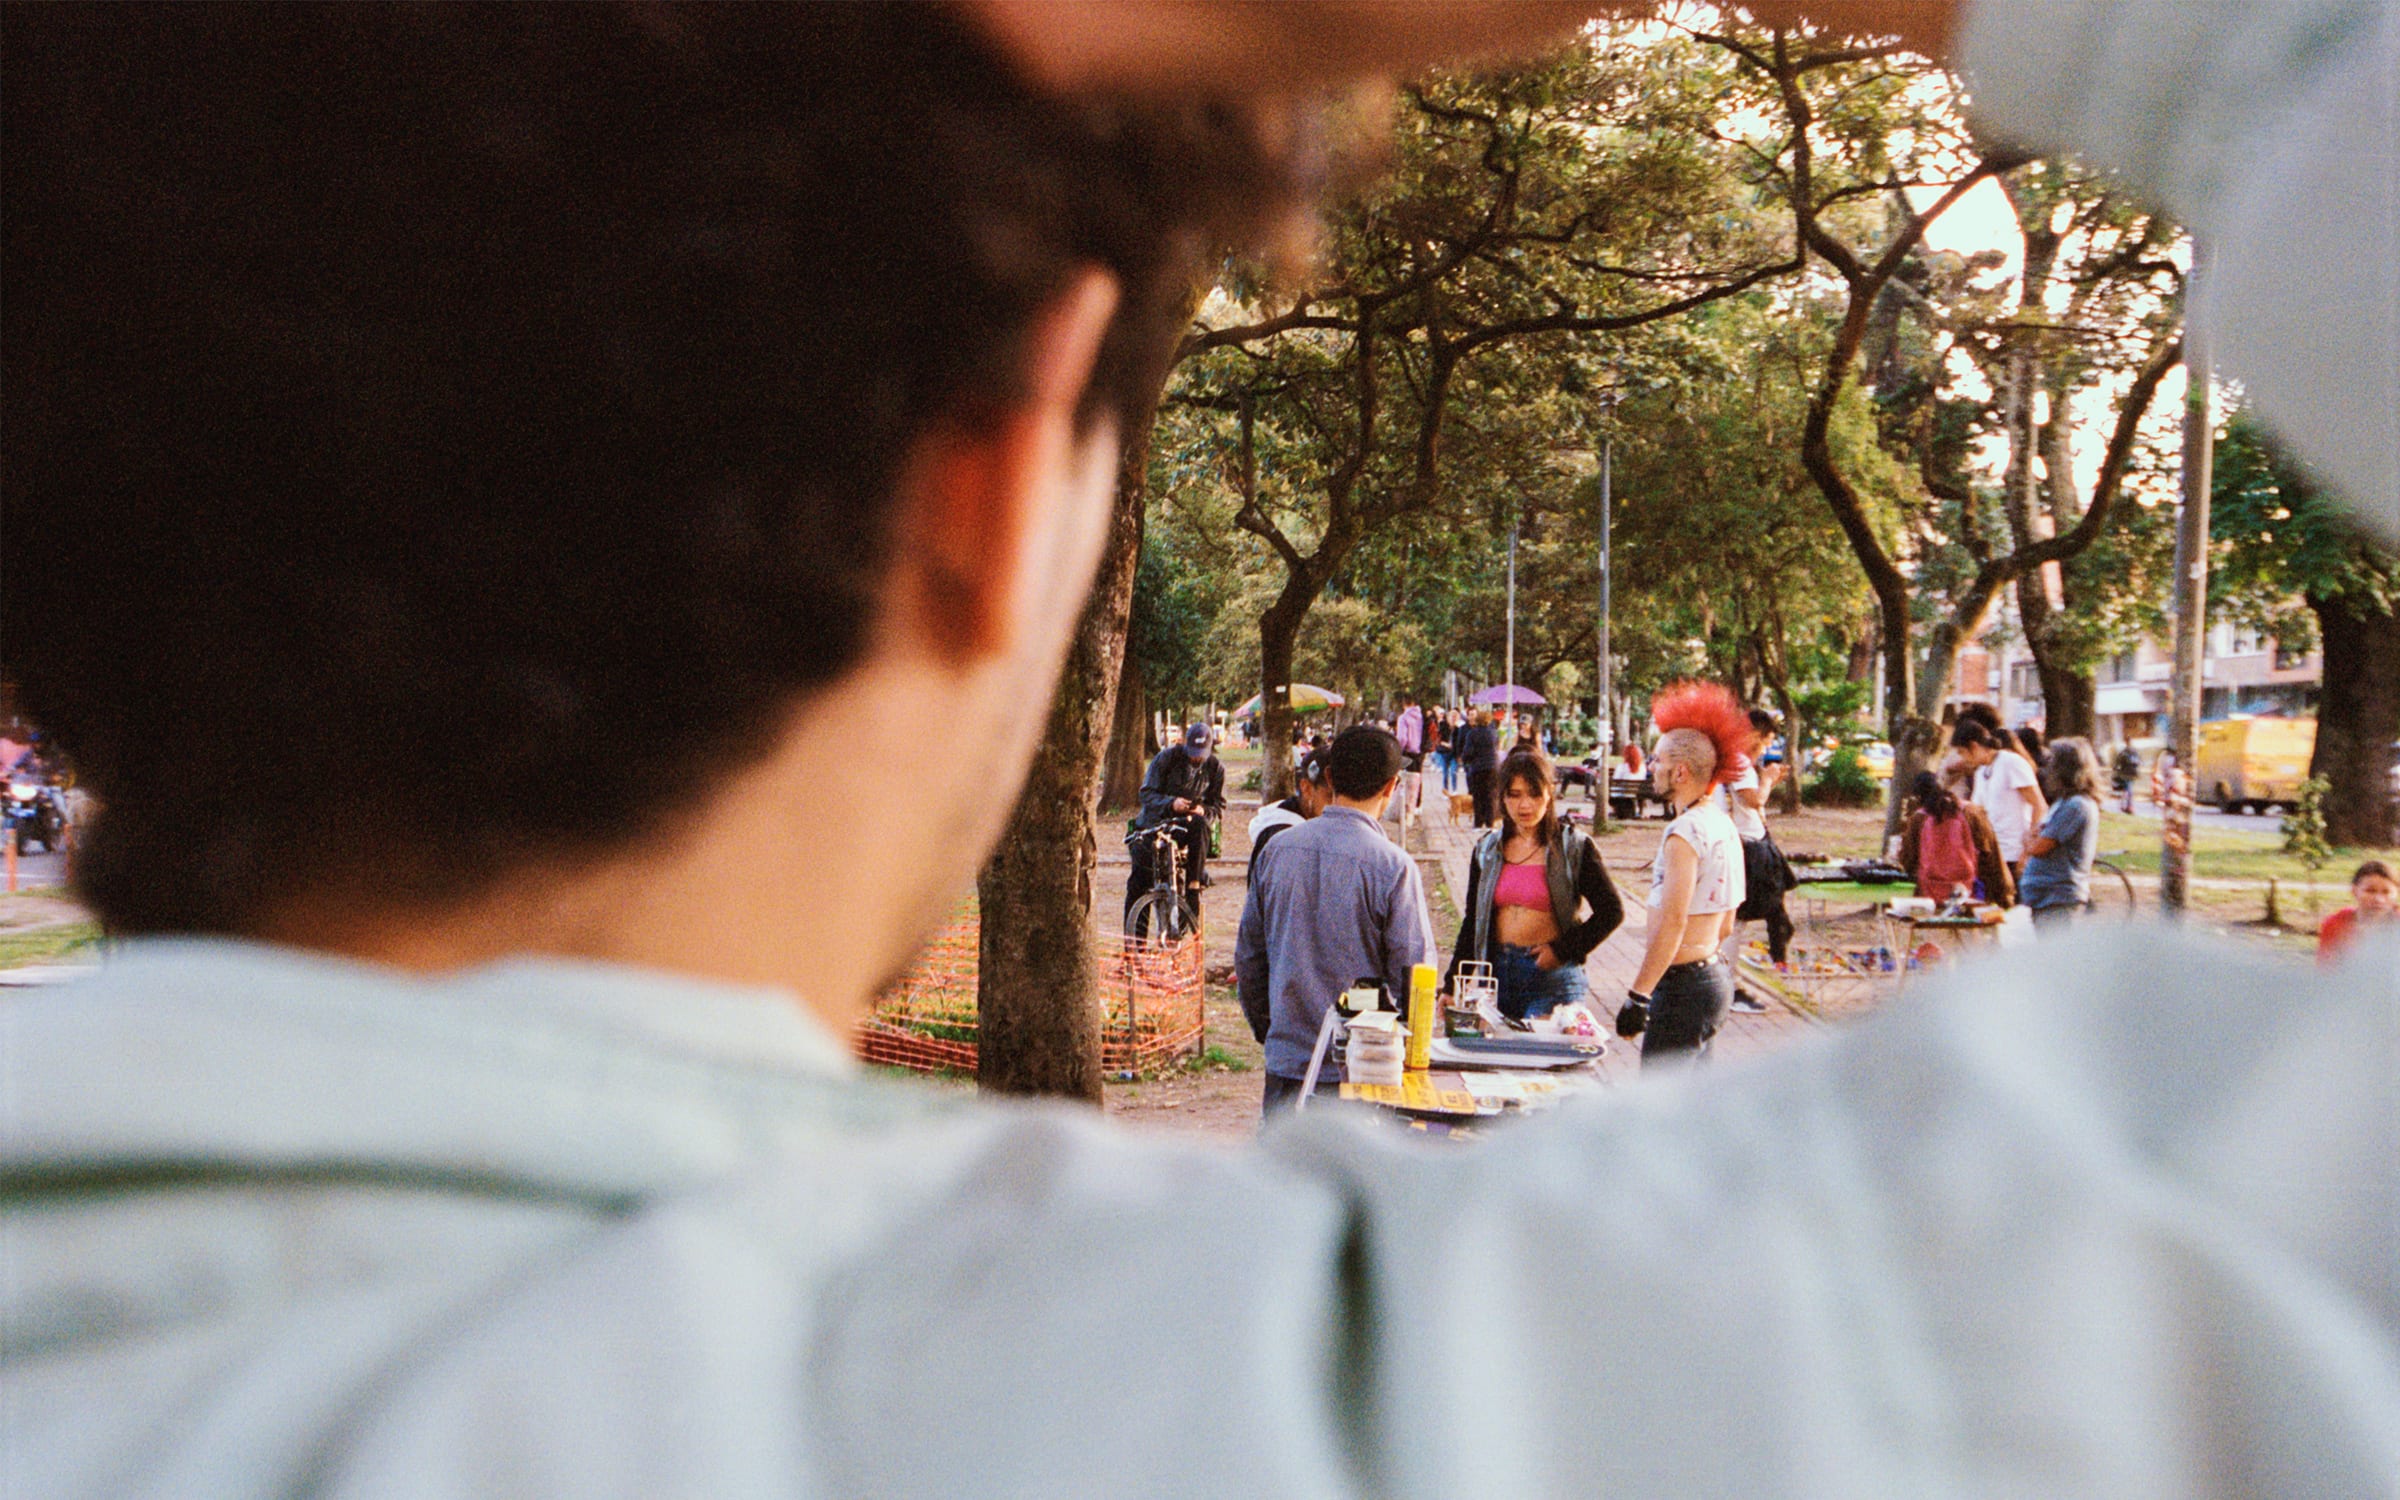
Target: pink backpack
[{"x": 1945, "y": 855}]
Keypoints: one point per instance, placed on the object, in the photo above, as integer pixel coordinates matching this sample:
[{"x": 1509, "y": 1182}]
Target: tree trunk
[
  {"x": 1917, "y": 747},
  {"x": 2358, "y": 718},
  {"x": 1128, "y": 740},
  {"x": 2067, "y": 702},
  {"x": 1037, "y": 990},
  {"x": 1278, "y": 638}
]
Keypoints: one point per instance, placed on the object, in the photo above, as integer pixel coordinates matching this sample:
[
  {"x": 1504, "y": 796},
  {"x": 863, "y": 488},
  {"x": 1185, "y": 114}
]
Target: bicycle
[
  {"x": 1164, "y": 913},
  {"x": 2113, "y": 897}
]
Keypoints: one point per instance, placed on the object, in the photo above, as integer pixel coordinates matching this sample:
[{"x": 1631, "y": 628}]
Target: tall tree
[
  {"x": 2279, "y": 534},
  {"x": 1719, "y": 513},
  {"x": 1860, "y": 127},
  {"x": 1037, "y": 985},
  {"x": 2096, "y": 301},
  {"x": 1566, "y": 199}
]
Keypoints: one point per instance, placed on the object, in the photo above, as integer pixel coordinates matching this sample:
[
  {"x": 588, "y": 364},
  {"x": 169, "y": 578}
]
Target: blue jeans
[
  {"x": 1526, "y": 989},
  {"x": 1449, "y": 765}
]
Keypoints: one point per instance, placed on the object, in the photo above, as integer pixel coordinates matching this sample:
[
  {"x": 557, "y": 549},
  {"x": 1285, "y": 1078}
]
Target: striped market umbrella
[{"x": 1307, "y": 698}]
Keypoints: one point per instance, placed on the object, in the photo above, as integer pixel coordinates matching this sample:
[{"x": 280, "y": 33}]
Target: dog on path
[{"x": 1462, "y": 805}]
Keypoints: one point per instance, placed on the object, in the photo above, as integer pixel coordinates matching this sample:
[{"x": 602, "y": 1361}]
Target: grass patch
[
  {"x": 2228, "y": 854},
  {"x": 1216, "y": 1059},
  {"x": 48, "y": 945},
  {"x": 1444, "y": 910},
  {"x": 954, "y": 1077}
]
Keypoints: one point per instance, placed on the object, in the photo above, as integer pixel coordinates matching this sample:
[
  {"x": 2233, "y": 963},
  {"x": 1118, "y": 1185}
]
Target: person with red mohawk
[{"x": 1681, "y": 992}]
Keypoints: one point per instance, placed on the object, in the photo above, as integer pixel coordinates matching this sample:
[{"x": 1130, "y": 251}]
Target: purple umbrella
[{"x": 1509, "y": 692}]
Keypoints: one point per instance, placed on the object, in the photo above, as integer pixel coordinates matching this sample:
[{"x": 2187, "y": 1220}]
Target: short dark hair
[
  {"x": 2372, "y": 867},
  {"x": 430, "y": 418},
  {"x": 1972, "y": 734},
  {"x": 1983, "y": 714},
  {"x": 1363, "y": 760},
  {"x": 1762, "y": 721}
]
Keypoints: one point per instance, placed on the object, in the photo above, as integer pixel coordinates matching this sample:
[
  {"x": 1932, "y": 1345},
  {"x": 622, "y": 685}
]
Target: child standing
[{"x": 2374, "y": 899}]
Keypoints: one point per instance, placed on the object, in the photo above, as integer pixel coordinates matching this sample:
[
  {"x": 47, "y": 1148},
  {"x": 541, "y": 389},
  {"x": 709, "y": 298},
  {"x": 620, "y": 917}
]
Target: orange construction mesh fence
[{"x": 1154, "y": 996}]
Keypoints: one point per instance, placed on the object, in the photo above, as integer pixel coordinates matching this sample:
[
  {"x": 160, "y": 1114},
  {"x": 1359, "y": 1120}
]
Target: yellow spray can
[{"x": 1421, "y": 1012}]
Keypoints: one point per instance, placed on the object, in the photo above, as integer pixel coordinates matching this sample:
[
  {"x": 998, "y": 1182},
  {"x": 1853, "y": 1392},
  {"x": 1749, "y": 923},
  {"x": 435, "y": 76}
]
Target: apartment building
[{"x": 2242, "y": 671}]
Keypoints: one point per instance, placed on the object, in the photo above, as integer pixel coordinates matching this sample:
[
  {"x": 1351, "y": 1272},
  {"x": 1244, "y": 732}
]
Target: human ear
[{"x": 991, "y": 502}]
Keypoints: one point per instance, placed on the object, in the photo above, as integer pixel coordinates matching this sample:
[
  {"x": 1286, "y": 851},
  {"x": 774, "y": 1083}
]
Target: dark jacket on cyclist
[{"x": 1173, "y": 773}]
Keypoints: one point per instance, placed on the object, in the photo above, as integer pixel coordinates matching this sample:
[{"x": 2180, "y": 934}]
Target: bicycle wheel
[
  {"x": 1159, "y": 917},
  {"x": 2112, "y": 891}
]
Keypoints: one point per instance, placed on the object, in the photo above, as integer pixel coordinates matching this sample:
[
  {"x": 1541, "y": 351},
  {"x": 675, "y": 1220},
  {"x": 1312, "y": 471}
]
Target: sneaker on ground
[{"x": 1748, "y": 1004}]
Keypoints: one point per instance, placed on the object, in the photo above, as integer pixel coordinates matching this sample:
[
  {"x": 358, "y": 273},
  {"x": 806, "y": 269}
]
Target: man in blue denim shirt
[{"x": 1333, "y": 902}]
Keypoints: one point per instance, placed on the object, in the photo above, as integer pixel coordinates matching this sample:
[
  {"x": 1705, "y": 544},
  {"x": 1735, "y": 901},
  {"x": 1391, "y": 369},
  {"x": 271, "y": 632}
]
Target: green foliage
[
  {"x": 1826, "y": 699},
  {"x": 1844, "y": 781},
  {"x": 1359, "y": 452},
  {"x": 2304, "y": 826},
  {"x": 1168, "y": 630},
  {"x": 2279, "y": 537}
]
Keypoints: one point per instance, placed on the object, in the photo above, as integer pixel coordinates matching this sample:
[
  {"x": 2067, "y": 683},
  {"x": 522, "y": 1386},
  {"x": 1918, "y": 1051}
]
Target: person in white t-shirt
[
  {"x": 2006, "y": 788},
  {"x": 1680, "y": 994}
]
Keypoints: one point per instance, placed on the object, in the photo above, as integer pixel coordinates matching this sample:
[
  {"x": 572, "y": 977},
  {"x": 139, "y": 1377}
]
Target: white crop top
[{"x": 1717, "y": 883}]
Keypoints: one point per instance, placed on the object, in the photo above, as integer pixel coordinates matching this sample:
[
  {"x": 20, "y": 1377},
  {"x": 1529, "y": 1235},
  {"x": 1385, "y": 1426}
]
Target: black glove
[{"x": 1633, "y": 1017}]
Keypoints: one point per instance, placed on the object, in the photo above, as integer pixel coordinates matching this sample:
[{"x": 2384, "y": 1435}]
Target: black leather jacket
[{"x": 1173, "y": 773}]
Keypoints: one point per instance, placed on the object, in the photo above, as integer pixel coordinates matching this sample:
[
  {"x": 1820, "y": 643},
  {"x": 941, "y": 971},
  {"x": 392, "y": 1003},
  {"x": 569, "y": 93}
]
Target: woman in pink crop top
[{"x": 1527, "y": 883}]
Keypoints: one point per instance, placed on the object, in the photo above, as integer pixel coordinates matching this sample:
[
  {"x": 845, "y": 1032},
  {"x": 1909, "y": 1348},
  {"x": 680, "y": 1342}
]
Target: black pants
[
  {"x": 1779, "y": 931},
  {"x": 1487, "y": 800},
  {"x": 1191, "y": 831},
  {"x": 1686, "y": 1008},
  {"x": 1767, "y": 875}
]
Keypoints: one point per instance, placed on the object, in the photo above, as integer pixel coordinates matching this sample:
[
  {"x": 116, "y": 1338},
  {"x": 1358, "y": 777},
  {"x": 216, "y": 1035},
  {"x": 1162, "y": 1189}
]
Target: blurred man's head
[
  {"x": 1196, "y": 741},
  {"x": 424, "y": 416}
]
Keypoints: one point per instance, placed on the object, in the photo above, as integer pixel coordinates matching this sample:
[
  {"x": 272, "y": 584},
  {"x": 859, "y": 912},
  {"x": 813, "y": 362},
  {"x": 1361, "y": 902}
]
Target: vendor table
[
  {"x": 1816, "y": 962},
  {"x": 1450, "y": 1097},
  {"x": 1960, "y": 932}
]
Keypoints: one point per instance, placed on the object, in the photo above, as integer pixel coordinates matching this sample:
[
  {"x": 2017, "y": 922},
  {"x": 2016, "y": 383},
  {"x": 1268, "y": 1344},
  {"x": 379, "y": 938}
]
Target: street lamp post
[
  {"x": 1508, "y": 672},
  {"x": 1606, "y": 729},
  {"x": 2191, "y": 610}
]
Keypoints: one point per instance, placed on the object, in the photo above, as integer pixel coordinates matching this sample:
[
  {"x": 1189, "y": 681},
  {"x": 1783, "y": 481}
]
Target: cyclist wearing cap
[{"x": 1183, "y": 789}]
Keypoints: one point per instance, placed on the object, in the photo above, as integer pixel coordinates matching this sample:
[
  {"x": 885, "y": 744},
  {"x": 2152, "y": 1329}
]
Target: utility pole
[
  {"x": 1603, "y": 705},
  {"x": 2191, "y": 607},
  {"x": 1509, "y": 673}
]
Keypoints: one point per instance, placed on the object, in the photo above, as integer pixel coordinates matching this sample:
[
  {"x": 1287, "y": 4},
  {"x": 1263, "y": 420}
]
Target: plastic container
[{"x": 1377, "y": 1050}]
